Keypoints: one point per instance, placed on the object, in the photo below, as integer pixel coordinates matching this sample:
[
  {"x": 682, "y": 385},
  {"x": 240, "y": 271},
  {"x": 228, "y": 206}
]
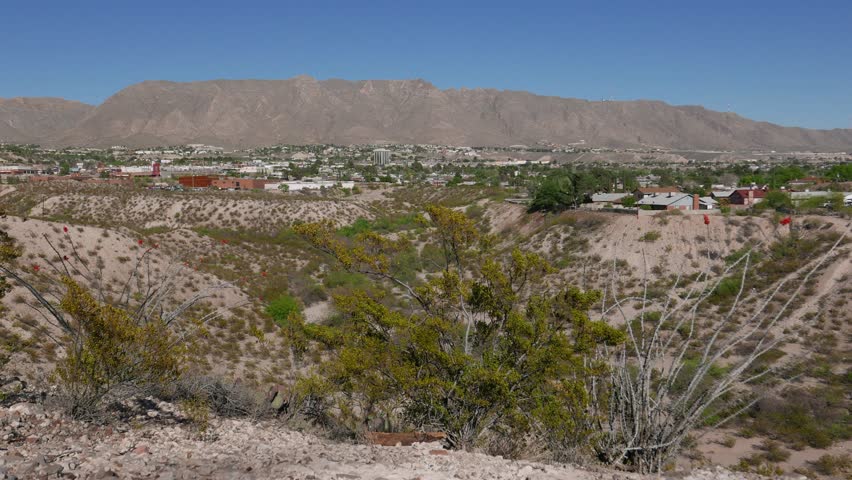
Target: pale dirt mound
[{"x": 161, "y": 445}]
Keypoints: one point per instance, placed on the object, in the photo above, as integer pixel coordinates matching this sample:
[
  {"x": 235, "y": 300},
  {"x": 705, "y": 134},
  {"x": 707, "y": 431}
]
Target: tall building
[{"x": 381, "y": 157}]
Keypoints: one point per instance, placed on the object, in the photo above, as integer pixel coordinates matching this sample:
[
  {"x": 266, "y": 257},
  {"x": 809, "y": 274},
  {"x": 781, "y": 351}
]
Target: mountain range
[{"x": 301, "y": 110}]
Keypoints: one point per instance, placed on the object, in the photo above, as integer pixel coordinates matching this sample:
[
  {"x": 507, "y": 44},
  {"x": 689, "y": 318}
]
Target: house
[
  {"x": 747, "y": 196},
  {"x": 602, "y": 200},
  {"x": 720, "y": 195},
  {"x": 677, "y": 201},
  {"x": 643, "y": 192},
  {"x": 707, "y": 203},
  {"x": 803, "y": 182}
]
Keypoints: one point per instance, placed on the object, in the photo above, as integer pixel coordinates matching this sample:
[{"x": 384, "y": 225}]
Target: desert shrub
[
  {"x": 774, "y": 452},
  {"x": 109, "y": 350},
  {"x": 475, "y": 211},
  {"x": 727, "y": 289},
  {"x": 757, "y": 463},
  {"x": 387, "y": 224},
  {"x": 282, "y": 308},
  {"x": 360, "y": 225},
  {"x": 817, "y": 417},
  {"x": 728, "y": 442},
  {"x": 197, "y": 411},
  {"x": 220, "y": 396},
  {"x": 833, "y": 464},
  {"x": 477, "y": 349},
  {"x": 651, "y": 236},
  {"x": 343, "y": 278}
]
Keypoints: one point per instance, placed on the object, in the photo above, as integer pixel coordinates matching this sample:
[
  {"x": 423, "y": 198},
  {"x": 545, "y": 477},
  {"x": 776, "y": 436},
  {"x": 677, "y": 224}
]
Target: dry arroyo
[{"x": 157, "y": 442}]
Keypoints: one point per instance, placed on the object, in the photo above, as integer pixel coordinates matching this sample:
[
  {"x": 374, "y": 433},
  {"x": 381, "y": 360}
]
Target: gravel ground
[{"x": 35, "y": 443}]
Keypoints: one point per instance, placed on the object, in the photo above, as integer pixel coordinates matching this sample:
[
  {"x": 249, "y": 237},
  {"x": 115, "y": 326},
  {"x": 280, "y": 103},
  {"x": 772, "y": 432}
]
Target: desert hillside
[
  {"x": 29, "y": 120},
  {"x": 244, "y": 255}
]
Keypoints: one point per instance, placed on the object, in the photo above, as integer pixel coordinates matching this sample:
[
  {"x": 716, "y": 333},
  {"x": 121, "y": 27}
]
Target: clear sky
[{"x": 788, "y": 62}]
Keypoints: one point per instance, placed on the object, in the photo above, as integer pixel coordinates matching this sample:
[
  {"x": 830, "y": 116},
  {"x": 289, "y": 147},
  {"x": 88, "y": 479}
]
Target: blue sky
[{"x": 789, "y": 62}]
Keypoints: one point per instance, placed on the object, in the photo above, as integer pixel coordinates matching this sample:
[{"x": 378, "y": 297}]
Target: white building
[
  {"x": 381, "y": 157},
  {"x": 295, "y": 186}
]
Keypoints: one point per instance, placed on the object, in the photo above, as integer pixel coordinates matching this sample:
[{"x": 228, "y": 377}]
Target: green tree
[
  {"x": 556, "y": 193},
  {"x": 777, "y": 200},
  {"x": 840, "y": 173},
  {"x": 481, "y": 348}
]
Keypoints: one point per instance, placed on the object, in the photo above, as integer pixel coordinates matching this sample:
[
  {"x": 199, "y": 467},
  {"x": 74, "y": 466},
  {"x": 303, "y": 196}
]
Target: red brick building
[{"x": 196, "y": 181}]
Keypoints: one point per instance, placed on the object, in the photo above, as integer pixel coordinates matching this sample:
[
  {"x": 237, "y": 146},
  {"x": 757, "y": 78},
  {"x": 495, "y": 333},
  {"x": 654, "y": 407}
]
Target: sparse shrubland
[{"x": 574, "y": 336}]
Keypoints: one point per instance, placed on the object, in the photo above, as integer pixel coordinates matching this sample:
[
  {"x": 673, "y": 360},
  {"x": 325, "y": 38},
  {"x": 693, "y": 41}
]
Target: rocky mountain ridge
[{"x": 305, "y": 110}]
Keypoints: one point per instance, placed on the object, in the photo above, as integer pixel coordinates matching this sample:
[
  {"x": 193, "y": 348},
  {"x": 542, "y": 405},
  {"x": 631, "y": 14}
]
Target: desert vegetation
[{"x": 558, "y": 335}]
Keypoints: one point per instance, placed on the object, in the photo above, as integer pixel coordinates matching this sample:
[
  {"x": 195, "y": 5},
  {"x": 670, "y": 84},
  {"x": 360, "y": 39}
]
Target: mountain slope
[
  {"x": 37, "y": 119},
  {"x": 305, "y": 110}
]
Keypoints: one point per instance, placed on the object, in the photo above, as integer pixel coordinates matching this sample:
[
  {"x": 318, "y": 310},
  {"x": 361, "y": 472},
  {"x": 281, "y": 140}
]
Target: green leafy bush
[{"x": 282, "y": 308}]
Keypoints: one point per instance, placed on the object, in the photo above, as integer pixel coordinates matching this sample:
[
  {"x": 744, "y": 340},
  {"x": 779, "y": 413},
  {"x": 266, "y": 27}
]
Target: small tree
[
  {"x": 777, "y": 200},
  {"x": 484, "y": 346}
]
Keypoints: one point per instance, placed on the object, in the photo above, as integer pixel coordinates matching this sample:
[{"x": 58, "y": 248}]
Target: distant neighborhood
[{"x": 618, "y": 180}]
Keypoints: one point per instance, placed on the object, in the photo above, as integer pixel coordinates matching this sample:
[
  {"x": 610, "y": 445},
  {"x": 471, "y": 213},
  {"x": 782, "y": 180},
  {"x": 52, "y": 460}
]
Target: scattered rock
[{"x": 26, "y": 409}]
